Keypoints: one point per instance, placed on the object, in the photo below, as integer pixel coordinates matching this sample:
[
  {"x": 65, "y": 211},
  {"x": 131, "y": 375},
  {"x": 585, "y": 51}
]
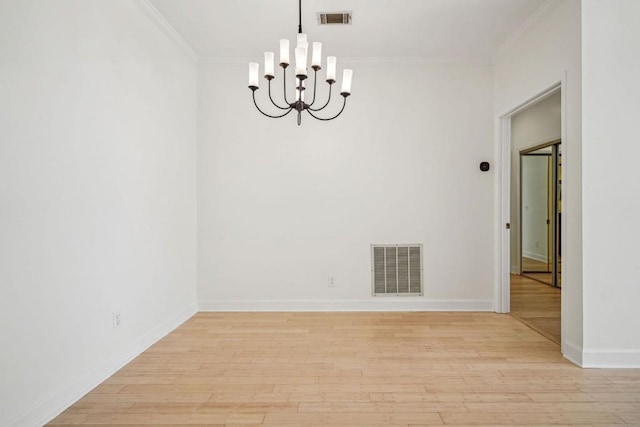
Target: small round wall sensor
[{"x": 484, "y": 166}]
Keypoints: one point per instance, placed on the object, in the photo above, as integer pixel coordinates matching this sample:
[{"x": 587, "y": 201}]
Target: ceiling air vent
[{"x": 325, "y": 18}]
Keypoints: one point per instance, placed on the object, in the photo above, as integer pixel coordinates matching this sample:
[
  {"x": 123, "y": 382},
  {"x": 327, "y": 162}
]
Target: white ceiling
[{"x": 426, "y": 29}]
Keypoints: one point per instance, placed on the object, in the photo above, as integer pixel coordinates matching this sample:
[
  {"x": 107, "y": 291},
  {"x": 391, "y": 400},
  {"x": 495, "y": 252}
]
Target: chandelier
[{"x": 301, "y": 74}]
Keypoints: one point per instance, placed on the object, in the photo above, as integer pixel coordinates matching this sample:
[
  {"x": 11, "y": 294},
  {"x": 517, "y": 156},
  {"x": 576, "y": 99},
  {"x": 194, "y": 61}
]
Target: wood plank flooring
[
  {"x": 537, "y": 305},
  {"x": 540, "y": 271},
  {"x": 357, "y": 369}
]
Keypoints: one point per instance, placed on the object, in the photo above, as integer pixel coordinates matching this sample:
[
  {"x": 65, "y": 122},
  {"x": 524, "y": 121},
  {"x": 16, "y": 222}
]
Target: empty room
[{"x": 319, "y": 212}]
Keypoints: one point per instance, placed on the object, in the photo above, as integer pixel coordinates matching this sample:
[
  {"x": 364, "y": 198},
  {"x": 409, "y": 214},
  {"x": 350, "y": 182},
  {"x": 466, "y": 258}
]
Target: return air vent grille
[
  {"x": 396, "y": 269},
  {"x": 342, "y": 18}
]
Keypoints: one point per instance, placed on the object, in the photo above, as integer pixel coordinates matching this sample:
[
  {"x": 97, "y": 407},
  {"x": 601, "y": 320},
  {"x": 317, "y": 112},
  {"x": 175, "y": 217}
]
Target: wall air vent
[
  {"x": 396, "y": 270},
  {"x": 325, "y": 18}
]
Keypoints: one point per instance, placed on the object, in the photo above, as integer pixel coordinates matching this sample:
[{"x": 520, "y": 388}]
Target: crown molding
[
  {"x": 536, "y": 16},
  {"x": 481, "y": 62},
  {"x": 149, "y": 10},
  {"x": 419, "y": 60}
]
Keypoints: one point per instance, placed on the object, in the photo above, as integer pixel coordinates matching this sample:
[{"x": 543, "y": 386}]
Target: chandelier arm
[
  {"x": 329, "y": 118},
  {"x": 326, "y": 103},
  {"x": 273, "y": 102},
  {"x": 268, "y": 115},
  {"x": 284, "y": 85},
  {"x": 315, "y": 80}
]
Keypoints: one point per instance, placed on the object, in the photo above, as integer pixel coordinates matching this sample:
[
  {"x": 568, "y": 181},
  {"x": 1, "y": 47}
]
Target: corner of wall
[
  {"x": 572, "y": 352},
  {"x": 51, "y": 407},
  {"x": 522, "y": 29},
  {"x": 149, "y": 10}
]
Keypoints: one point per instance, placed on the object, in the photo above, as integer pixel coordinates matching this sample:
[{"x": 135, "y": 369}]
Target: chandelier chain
[{"x": 299, "y": 16}]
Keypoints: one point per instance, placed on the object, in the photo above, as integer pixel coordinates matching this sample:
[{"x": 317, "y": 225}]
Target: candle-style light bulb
[
  {"x": 316, "y": 58},
  {"x": 301, "y": 38},
  {"x": 331, "y": 69},
  {"x": 347, "y": 75},
  {"x": 305, "y": 46},
  {"x": 268, "y": 64},
  {"x": 284, "y": 52},
  {"x": 253, "y": 75},
  {"x": 301, "y": 61}
]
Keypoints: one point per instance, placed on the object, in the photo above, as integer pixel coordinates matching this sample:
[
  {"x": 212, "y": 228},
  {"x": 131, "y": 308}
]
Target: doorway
[
  {"x": 535, "y": 136},
  {"x": 540, "y": 213}
]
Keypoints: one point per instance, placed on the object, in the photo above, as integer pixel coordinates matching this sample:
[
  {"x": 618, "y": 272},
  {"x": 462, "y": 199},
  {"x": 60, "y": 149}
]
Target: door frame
[
  {"x": 552, "y": 244},
  {"x": 502, "y": 286}
]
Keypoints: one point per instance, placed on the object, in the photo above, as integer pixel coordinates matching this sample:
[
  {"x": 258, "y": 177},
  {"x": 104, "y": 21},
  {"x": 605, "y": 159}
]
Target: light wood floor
[
  {"x": 540, "y": 270},
  {"x": 537, "y": 305},
  {"x": 358, "y": 369}
]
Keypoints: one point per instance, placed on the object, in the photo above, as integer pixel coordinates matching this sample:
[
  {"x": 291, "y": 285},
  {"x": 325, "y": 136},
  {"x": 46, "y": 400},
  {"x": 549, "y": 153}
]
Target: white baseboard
[
  {"x": 373, "y": 304},
  {"x": 611, "y": 359},
  {"x": 51, "y": 407},
  {"x": 629, "y": 359},
  {"x": 572, "y": 352},
  {"x": 537, "y": 257}
]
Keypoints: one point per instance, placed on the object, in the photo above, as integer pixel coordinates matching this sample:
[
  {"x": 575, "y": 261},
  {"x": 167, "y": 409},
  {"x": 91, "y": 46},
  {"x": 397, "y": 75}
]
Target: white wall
[
  {"x": 283, "y": 207},
  {"x": 539, "y": 123},
  {"x": 546, "y": 52},
  {"x": 535, "y": 201},
  {"x": 97, "y": 196},
  {"x": 611, "y": 177}
]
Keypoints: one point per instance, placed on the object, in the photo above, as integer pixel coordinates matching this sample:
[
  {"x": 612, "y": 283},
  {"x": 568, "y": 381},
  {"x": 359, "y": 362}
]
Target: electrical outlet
[
  {"x": 117, "y": 319},
  {"x": 332, "y": 282}
]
